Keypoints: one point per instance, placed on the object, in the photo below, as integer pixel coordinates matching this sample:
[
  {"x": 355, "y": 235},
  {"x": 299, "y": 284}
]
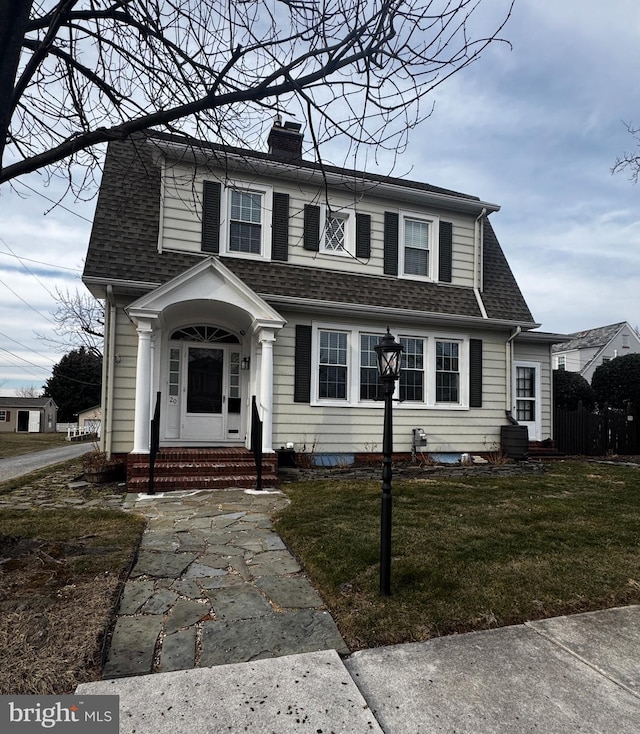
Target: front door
[
  {"x": 527, "y": 397},
  {"x": 205, "y": 400}
]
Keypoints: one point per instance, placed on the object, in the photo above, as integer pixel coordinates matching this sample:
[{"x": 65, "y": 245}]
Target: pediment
[{"x": 209, "y": 280}]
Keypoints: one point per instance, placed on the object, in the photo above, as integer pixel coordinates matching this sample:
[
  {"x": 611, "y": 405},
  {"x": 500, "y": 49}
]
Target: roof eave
[
  {"x": 309, "y": 305},
  {"x": 354, "y": 181}
]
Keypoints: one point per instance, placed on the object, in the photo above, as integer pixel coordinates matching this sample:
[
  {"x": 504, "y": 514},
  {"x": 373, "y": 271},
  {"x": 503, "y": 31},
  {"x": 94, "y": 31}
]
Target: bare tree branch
[
  {"x": 79, "y": 73},
  {"x": 630, "y": 161},
  {"x": 79, "y": 319}
]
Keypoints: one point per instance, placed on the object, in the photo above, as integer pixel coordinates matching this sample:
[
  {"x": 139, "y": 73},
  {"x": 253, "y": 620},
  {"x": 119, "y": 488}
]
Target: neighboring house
[
  {"x": 230, "y": 273},
  {"x": 28, "y": 415},
  {"x": 90, "y": 420},
  {"x": 586, "y": 350}
]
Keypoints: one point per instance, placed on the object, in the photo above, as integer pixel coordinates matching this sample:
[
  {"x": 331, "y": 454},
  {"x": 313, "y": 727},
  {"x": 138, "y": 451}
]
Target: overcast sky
[{"x": 535, "y": 129}]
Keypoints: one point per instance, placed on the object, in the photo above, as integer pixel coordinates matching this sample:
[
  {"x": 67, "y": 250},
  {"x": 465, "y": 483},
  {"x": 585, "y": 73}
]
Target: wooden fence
[{"x": 597, "y": 433}]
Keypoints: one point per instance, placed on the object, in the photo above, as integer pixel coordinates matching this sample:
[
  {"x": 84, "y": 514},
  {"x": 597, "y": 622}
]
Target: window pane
[
  {"x": 447, "y": 372},
  {"x": 245, "y": 238},
  {"x": 525, "y": 382},
  {"x": 525, "y": 410},
  {"x": 416, "y": 262},
  {"x": 332, "y": 373},
  {"x": 412, "y": 372},
  {"x": 369, "y": 376},
  {"x": 333, "y": 382},
  {"x": 246, "y": 206},
  {"x": 335, "y": 232},
  {"x": 245, "y": 231},
  {"x": 416, "y": 247}
]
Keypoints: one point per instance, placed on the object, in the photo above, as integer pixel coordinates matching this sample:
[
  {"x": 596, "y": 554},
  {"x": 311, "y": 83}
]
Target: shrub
[
  {"x": 618, "y": 382},
  {"x": 570, "y": 389}
]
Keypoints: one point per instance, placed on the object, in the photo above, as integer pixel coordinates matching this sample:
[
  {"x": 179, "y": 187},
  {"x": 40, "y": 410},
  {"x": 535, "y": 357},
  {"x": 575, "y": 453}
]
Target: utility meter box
[{"x": 419, "y": 438}]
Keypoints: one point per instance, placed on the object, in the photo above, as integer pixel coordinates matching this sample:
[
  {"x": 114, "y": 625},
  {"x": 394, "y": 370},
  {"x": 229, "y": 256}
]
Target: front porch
[{"x": 179, "y": 468}]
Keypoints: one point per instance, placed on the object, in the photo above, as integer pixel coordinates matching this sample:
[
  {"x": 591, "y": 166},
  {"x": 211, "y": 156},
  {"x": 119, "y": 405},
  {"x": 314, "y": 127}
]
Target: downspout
[
  {"x": 107, "y": 389},
  {"x": 509, "y": 371},
  {"x": 478, "y": 261}
]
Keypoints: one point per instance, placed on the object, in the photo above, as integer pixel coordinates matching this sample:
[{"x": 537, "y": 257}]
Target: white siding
[
  {"x": 124, "y": 384},
  {"x": 359, "y": 428},
  {"x": 182, "y": 211}
]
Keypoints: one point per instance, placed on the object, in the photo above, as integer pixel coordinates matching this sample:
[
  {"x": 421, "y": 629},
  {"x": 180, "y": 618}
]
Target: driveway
[{"x": 17, "y": 466}]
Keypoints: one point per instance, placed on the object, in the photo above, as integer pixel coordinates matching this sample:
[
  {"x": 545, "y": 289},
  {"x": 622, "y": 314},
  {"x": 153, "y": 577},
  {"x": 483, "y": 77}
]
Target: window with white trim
[
  {"x": 434, "y": 374},
  {"x": 333, "y": 365},
  {"x": 338, "y": 231},
  {"x": 369, "y": 375},
  {"x": 3, "y": 416},
  {"x": 411, "y": 382},
  {"x": 245, "y": 221},
  {"x": 417, "y": 251},
  {"x": 447, "y": 371},
  {"x": 561, "y": 362}
]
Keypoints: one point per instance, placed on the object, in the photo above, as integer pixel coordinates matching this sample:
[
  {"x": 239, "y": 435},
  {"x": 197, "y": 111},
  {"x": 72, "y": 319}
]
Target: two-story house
[
  {"x": 230, "y": 273},
  {"x": 584, "y": 351}
]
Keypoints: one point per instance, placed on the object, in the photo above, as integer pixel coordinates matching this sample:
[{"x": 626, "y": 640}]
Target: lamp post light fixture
[{"x": 388, "y": 352}]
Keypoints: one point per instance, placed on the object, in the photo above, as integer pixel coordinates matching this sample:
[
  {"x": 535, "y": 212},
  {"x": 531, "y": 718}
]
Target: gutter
[
  {"x": 509, "y": 370},
  {"x": 478, "y": 264},
  {"x": 107, "y": 389}
]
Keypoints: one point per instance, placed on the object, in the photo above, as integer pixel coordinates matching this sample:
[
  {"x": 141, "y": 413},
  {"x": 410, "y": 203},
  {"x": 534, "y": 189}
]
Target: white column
[
  {"x": 143, "y": 389},
  {"x": 266, "y": 338}
]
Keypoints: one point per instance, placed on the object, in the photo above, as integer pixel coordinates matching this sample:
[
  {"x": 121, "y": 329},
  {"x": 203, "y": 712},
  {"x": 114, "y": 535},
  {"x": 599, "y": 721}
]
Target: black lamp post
[{"x": 388, "y": 352}]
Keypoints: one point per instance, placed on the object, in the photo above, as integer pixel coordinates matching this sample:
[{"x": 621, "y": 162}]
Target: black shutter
[
  {"x": 302, "y": 365},
  {"x": 475, "y": 373},
  {"x": 446, "y": 252},
  {"x": 211, "y": 216},
  {"x": 363, "y": 236},
  {"x": 280, "y": 227},
  {"x": 311, "y": 238},
  {"x": 390, "y": 243}
]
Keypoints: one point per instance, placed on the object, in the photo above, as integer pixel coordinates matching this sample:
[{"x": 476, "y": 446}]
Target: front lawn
[
  {"x": 16, "y": 444},
  {"x": 469, "y": 552}
]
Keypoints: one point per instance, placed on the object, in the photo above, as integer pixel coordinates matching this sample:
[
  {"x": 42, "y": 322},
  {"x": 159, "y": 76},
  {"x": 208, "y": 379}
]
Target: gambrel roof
[{"x": 123, "y": 248}]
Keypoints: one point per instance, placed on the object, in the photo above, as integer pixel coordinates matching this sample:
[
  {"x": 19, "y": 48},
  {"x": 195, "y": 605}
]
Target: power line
[
  {"x": 27, "y": 269},
  {"x": 24, "y": 346},
  {"x": 48, "y": 370},
  {"x": 54, "y": 202},
  {"x": 38, "y": 262},
  {"x": 35, "y": 310}
]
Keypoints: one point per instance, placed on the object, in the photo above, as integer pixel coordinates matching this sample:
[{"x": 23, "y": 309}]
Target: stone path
[{"x": 214, "y": 584}]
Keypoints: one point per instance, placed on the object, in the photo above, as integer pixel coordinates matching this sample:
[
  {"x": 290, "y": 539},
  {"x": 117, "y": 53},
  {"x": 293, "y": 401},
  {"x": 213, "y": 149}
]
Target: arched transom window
[{"x": 208, "y": 334}]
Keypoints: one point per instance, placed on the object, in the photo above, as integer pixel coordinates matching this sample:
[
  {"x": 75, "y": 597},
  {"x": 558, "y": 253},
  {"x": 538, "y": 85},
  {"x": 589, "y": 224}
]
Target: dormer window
[
  {"x": 338, "y": 236},
  {"x": 418, "y": 253},
  {"x": 245, "y": 222},
  {"x": 335, "y": 237}
]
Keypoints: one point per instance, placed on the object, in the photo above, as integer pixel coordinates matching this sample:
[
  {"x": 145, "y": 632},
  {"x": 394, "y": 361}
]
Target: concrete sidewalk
[{"x": 558, "y": 676}]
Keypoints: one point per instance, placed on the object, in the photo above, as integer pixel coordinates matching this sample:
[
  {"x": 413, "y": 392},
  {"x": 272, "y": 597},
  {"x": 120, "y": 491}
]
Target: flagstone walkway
[{"x": 214, "y": 584}]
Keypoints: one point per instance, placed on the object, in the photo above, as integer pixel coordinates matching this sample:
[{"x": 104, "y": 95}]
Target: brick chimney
[{"x": 285, "y": 141}]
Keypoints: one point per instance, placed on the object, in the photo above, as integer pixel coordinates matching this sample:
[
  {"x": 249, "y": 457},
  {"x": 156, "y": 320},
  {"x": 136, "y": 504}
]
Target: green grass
[
  {"x": 469, "y": 553},
  {"x": 17, "y": 444}
]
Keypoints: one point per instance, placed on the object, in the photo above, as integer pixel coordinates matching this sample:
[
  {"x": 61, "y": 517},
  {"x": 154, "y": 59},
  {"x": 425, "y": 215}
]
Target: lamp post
[{"x": 388, "y": 352}]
